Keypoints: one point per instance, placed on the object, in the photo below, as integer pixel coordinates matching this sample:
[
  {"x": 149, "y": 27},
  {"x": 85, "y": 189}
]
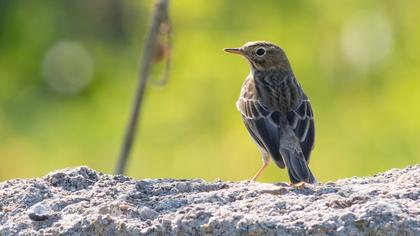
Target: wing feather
[
  {"x": 301, "y": 120},
  {"x": 263, "y": 125}
]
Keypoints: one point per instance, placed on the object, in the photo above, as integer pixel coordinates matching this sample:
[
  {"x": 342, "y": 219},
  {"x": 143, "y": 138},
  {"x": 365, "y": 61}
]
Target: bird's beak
[{"x": 234, "y": 50}]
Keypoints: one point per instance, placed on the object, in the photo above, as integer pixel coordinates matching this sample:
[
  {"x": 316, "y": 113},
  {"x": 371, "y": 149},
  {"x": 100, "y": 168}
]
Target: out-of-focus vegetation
[{"x": 68, "y": 72}]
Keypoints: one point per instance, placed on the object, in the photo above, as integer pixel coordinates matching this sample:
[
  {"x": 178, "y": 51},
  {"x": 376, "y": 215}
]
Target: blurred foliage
[{"x": 68, "y": 72}]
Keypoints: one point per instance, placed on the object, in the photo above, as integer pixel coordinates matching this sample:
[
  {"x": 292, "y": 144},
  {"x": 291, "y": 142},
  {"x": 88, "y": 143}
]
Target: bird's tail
[{"x": 297, "y": 167}]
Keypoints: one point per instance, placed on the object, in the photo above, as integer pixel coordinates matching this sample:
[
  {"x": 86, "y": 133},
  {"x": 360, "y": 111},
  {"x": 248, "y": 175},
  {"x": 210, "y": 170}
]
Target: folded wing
[
  {"x": 263, "y": 125},
  {"x": 301, "y": 120}
]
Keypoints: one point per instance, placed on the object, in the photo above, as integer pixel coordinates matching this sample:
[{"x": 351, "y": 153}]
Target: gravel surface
[{"x": 81, "y": 201}]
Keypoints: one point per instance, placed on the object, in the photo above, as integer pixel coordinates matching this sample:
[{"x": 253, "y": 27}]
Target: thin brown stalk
[{"x": 159, "y": 17}]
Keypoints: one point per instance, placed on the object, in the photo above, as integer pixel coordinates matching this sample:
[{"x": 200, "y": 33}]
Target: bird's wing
[
  {"x": 301, "y": 119},
  {"x": 263, "y": 125}
]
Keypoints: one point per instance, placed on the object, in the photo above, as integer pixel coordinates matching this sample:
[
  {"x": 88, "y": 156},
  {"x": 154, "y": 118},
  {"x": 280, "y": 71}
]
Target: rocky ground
[{"x": 81, "y": 201}]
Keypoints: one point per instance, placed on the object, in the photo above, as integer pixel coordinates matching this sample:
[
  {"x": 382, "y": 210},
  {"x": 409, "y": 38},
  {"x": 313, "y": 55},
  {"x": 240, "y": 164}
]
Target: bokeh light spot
[
  {"x": 67, "y": 67},
  {"x": 366, "y": 39}
]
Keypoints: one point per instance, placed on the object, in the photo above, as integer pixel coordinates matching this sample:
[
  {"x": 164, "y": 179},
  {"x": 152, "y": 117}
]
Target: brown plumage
[{"x": 276, "y": 111}]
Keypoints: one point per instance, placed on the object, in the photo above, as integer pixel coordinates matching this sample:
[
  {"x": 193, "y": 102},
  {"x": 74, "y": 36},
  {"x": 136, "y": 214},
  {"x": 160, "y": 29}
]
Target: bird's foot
[{"x": 300, "y": 185}]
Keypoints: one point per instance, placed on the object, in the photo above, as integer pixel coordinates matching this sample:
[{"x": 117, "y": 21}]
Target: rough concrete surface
[{"x": 81, "y": 201}]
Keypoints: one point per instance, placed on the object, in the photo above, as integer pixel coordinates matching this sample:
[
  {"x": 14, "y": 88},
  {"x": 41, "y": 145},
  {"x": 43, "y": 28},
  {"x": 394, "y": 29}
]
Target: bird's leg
[
  {"x": 259, "y": 171},
  {"x": 265, "y": 163}
]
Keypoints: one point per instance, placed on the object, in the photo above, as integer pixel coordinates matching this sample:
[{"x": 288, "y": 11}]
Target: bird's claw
[{"x": 300, "y": 185}]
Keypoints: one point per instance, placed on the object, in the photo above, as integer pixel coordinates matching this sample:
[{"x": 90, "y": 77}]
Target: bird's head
[{"x": 263, "y": 55}]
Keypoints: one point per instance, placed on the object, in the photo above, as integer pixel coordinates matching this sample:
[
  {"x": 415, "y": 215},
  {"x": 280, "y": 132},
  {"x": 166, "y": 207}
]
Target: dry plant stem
[{"x": 160, "y": 15}]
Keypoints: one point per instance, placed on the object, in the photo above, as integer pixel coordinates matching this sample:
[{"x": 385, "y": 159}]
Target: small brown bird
[{"x": 276, "y": 111}]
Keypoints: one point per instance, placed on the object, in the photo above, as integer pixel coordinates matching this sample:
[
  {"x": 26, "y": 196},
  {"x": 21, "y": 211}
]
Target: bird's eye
[{"x": 260, "y": 52}]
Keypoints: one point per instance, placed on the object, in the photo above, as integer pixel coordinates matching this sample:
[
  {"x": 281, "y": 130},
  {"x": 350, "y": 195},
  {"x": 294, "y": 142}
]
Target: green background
[{"x": 358, "y": 61}]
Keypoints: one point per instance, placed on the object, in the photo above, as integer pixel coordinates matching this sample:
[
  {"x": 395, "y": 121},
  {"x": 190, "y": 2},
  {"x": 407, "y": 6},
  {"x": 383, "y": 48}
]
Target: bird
[{"x": 276, "y": 112}]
